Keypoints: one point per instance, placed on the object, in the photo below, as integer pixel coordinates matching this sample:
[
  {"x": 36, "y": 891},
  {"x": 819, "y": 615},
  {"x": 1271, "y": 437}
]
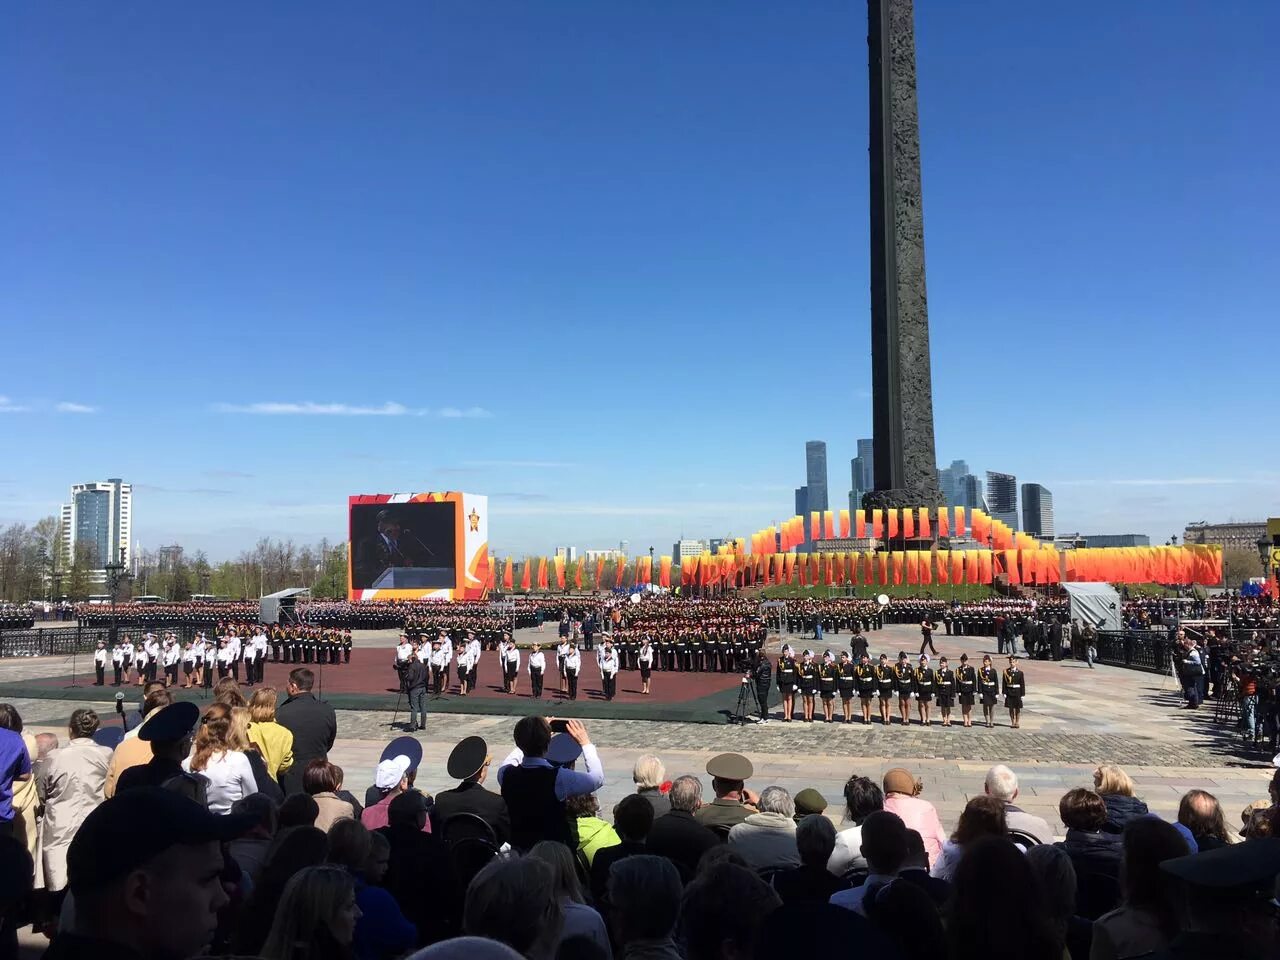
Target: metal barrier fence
[
  {"x": 55, "y": 641},
  {"x": 1136, "y": 649}
]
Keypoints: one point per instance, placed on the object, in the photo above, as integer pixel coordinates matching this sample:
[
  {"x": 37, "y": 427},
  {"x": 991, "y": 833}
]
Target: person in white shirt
[
  {"x": 439, "y": 663},
  {"x": 121, "y": 660},
  {"x": 609, "y": 669},
  {"x": 171, "y": 656},
  {"x": 258, "y": 648},
  {"x": 572, "y": 665},
  {"x": 537, "y": 667},
  {"x": 100, "y": 657},
  {"x": 141, "y": 661},
  {"x": 227, "y": 771},
  {"x": 189, "y": 658},
  {"x": 645, "y": 660},
  {"x": 210, "y": 659},
  {"x": 510, "y": 664},
  {"x": 404, "y": 651},
  {"x": 154, "y": 655},
  {"x": 473, "y": 661},
  {"x": 464, "y": 668},
  {"x": 250, "y": 654},
  {"x": 233, "y": 642},
  {"x": 224, "y": 658},
  {"x": 562, "y": 654}
]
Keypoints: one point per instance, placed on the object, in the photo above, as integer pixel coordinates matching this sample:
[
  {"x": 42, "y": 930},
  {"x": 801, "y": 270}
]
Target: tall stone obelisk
[{"x": 902, "y": 386}]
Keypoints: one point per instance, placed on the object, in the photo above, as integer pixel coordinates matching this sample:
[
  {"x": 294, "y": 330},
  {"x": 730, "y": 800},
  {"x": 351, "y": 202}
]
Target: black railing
[
  {"x": 52, "y": 642},
  {"x": 1136, "y": 649}
]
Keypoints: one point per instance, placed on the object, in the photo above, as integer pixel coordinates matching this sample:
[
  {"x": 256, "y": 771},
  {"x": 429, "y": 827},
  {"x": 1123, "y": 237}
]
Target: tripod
[
  {"x": 742, "y": 712},
  {"x": 400, "y": 692}
]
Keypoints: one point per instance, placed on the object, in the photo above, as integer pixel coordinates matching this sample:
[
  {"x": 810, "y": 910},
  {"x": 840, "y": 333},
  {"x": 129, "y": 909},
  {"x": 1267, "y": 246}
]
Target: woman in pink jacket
[{"x": 902, "y": 796}]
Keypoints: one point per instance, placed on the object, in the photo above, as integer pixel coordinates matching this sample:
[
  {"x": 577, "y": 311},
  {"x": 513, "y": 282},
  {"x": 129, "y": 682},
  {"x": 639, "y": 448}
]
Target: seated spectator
[
  {"x": 632, "y": 821},
  {"x": 733, "y": 802},
  {"x": 321, "y": 781},
  {"x": 915, "y": 869},
  {"x": 720, "y": 853},
  {"x": 1057, "y": 877},
  {"x": 226, "y": 769},
  {"x": 317, "y": 917},
  {"x": 393, "y": 777},
  {"x": 238, "y": 738},
  {"x": 420, "y": 861},
  {"x": 767, "y": 839},
  {"x": 593, "y": 833},
  {"x": 298, "y": 810},
  {"x": 677, "y": 835},
  {"x": 1147, "y": 918},
  {"x": 467, "y": 948},
  {"x": 133, "y": 751},
  {"x": 1002, "y": 783},
  {"x": 723, "y": 913},
  {"x": 645, "y": 893},
  {"x": 514, "y": 901},
  {"x": 884, "y": 846},
  {"x": 1116, "y": 789},
  {"x": 994, "y": 880},
  {"x": 1094, "y": 854},
  {"x": 982, "y": 817},
  {"x": 167, "y": 734},
  {"x": 227, "y": 692},
  {"x": 72, "y": 781},
  {"x": 648, "y": 775},
  {"x": 1201, "y": 813},
  {"x": 905, "y": 914},
  {"x": 808, "y": 802},
  {"x": 862, "y": 797},
  {"x": 469, "y": 764},
  {"x": 810, "y": 882},
  {"x": 580, "y": 920},
  {"x": 1228, "y": 902},
  {"x": 902, "y": 797},
  {"x": 250, "y": 850},
  {"x": 293, "y": 849},
  {"x": 154, "y": 897},
  {"x": 382, "y": 931},
  {"x": 273, "y": 740},
  {"x": 536, "y": 791}
]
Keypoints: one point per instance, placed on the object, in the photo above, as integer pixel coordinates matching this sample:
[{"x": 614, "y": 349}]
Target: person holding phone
[{"x": 535, "y": 790}]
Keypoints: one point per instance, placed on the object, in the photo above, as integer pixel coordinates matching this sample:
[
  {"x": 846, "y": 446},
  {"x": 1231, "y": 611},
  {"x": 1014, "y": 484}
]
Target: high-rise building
[
  {"x": 971, "y": 493},
  {"x": 1231, "y": 534},
  {"x": 99, "y": 516},
  {"x": 1002, "y": 498},
  {"x": 857, "y": 472},
  {"x": 689, "y": 548},
  {"x": 815, "y": 461},
  {"x": 569, "y": 553},
  {"x": 802, "y": 501},
  {"x": 866, "y": 453},
  {"x": 1037, "y": 510},
  {"x": 951, "y": 482}
]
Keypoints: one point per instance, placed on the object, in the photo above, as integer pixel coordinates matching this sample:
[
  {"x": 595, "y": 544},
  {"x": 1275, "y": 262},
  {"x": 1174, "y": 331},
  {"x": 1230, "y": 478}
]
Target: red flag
[
  {"x": 525, "y": 581},
  {"x": 622, "y": 569},
  {"x": 507, "y": 577},
  {"x": 577, "y": 574},
  {"x": 599, "y": 570}
]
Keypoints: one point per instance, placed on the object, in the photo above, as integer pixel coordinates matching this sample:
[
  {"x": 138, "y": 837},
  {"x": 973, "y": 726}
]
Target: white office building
[{"x": 101, "y": 516}]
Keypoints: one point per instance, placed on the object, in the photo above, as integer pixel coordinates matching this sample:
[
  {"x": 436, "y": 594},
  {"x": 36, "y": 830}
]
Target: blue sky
[{"x": 607, "y": 262}]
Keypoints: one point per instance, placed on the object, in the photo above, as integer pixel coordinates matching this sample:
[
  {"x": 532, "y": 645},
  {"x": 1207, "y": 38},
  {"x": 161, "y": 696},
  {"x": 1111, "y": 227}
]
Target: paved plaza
[{"x": 1075, "y": 718}]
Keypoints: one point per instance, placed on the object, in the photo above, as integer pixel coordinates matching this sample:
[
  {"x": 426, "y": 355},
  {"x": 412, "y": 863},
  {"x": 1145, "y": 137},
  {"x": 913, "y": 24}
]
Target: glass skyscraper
[
  {"x": 1002, "y": 498},
  {"x": 815, "y": 460},
  {"x": 1037, "y": 510}
]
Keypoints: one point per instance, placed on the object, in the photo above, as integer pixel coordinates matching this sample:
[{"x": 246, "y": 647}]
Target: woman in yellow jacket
[{"x": 274, "y": 741}]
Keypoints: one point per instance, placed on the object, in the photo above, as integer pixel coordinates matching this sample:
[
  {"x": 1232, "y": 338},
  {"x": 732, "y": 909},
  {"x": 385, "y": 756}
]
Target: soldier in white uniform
[
  {"x": 609, "y": 669},
  {"x": 537, "y": 667},
  {"x": 562, "y": 654},
  {"x": 572, "y": 666},
  {"x": 171, "y": 654},
  {"x": 100, "y": 657},
  {"x": 510, "y": 665}
]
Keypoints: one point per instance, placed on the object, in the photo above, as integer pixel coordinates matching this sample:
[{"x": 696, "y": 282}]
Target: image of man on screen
[{"x": 383, "y": 549}]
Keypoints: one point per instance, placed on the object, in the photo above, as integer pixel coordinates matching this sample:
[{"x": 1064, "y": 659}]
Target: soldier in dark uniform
[
  {"x": 885, "y": 685},
  {"x": 761, "y": 674},
  {"x": 988, "y": 688},
  {"x": 346, "y": 645},
  {"x": 858, "y": 647},
  {"x": 944, "y": 690},
  {"x": 828, "y": 677},
  {"x": 807, "y": 680},
  {"x": 904, "y": 681},
  {"x": 865, "y": 680},
  {"x": 788, "y": 674},
  {"x": 846, "y": 683},
  {"x": 1014, "y": 688},
  {"x": 277, "y": 643},
  {"x": 967, "y": 688},
  {"x": 682, "y": 653},
  {"x": 925, "y": 677}
]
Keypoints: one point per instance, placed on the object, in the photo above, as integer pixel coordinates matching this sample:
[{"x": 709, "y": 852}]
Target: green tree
[{"x": 1239, "y": 564}]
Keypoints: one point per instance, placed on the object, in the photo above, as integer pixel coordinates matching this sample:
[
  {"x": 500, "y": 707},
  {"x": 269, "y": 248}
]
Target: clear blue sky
[{"x": 617, "y": 252}]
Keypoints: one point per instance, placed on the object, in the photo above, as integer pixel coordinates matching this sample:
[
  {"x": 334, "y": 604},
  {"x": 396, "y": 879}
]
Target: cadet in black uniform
[
  {"x": 828, "y": 676},
  {"x": 807, "y": 674},
  {"x": 988, "y": 688},
  {"x": 884, "y": 686},
  {"x": 865, "y": 679},
  {"x": 846, "y": 683},
  {"x": 761, "y": 673},
  {"x": 787, "y": 675},
  {"x": 1015, "y": 686},
  {"x": 924, "y": 689},
  {"x": 967, "y": 688},
  {"x": 904, "y": 683},
  {"x": 944, "y": 687},
  {"x": 858, "y": 645}
]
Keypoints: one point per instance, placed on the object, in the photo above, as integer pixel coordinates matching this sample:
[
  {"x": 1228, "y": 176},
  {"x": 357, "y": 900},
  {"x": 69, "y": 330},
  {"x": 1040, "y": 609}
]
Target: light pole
[{"x": 116, "y": 571}]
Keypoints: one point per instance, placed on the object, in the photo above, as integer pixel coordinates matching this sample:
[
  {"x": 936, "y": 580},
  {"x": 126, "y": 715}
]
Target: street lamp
[
  {"x": 1265, "y": 546},
  {"x": 116, "y": 571}
]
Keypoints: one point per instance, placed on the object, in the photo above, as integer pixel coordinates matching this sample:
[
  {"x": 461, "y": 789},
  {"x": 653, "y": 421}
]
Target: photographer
[
  {"x": 761, "y": 674},
  {"x": 1190, "y": 672},
  {"x": 414, "y": 677}
]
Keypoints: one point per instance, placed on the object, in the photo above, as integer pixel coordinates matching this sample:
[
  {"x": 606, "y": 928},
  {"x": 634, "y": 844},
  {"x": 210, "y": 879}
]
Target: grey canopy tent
[{"x": 1095, "y": 603}]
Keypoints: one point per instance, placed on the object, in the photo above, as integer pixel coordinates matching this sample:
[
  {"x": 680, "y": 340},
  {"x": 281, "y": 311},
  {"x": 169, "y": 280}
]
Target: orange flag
[
  {"x": 882, "y": 561},
  {"x": 577, "y": 574},
  {"x": 926, "y": 567},
  {"x": 924, "y": 524},
  {"x": 899, "y": 562},
  {"x": 815, "y": 525},
  {"x": 542, "y": 573},
  {"x": 959, "y": 521},
  {"x": 893, "y": 522},
  {"x": 828, "y": 525},
  {"x": 877, "y": 524},
  {"x": 844, "y": 524},
  {"x": 913, "y": 560},
  {"x": 908, "y": 523},
  {"x": 860, "y": 524},
  {"x": 942, "y": 522},
  {"x": 984, "y": 566},
  {"x": 508, "y": 581},
  {"x": 664, "y": 572},
  {"x": 1011, "y": 565},
  {"x": 622, "y": 569},
  {"x": 957, "y": 566},
  {"x": 525, "y": 577},
  {"x": 559, "y": 567},
  {"x": 944, "y": 568}
]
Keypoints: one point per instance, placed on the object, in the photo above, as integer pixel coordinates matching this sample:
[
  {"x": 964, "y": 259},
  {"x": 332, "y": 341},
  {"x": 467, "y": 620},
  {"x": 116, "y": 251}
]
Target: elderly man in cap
[
  {"x": 168, "y": 733},
  {"x": 156, "y": 896},
  {"x": 535, "y": 788},
  {"x": 734, "y": 802},
  {"x": 469, "y": 763},
  {"x": 1229, "y": 905}
]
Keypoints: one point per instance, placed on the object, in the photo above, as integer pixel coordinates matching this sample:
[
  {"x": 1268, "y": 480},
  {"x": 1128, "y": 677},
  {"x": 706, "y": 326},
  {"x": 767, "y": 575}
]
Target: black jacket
[
  {"x": 469, "y": 797},
  {"x": 682, "y": 840},
  {"x": 1096, "y": 857},
  {"x": 603, "y": 862},
  {"x": 1120, "y": 810},
  {"x": 314, "y": 727},
  {"x": 415, "y": 676},
  {"x": 419, "y": 862}
]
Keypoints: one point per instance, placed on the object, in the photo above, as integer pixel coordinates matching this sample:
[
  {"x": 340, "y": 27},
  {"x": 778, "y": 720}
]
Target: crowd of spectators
[{"x": 228, "y": 830}]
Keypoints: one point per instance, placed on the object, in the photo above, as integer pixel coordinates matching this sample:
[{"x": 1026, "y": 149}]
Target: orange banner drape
[
  {"x": 926, "y": 567},
  {"x": 664, "y": 572},
  {"x": 508, "y": 576},
  {"x": 899, "y": 562},
  {"x": 815, "y": 525},
  {"x": 622, "y": 570},
  {"x": 959, "y": 525},
  {"x": 957, "y": 566},
  {"x": 913, "y": 561},
  {"x": 828, "y": 525},
  {"x": 558, "y": 563},
  {"x": 908, "y": 524},
  {"x": 944, "y": 567},
  {"x": 923, "y": 526},
  {"x": 844, "y": 524},
  {"x": 860, "y": 524},
  {"x": 943, "y": 526},
  {"x": 892, "y": 523}
]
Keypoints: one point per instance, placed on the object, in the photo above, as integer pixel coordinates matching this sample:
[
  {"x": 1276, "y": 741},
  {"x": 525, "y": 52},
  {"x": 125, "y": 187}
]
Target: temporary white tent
[{"x": 1095, "y": 603}]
